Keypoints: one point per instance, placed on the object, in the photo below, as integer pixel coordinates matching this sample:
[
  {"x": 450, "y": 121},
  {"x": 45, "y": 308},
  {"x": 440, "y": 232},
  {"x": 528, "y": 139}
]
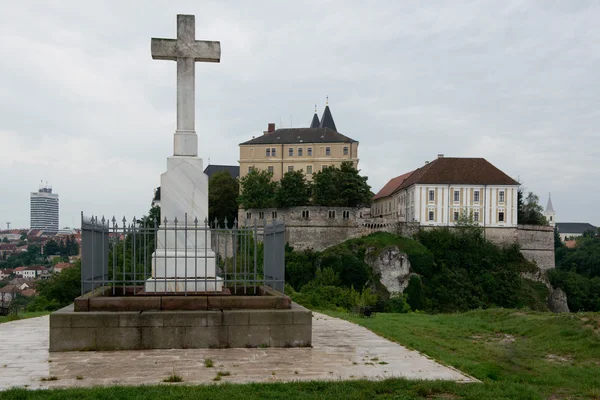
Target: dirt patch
[
  {"x": 503, "y": 338},
  {"x": 558, "y": 359}
]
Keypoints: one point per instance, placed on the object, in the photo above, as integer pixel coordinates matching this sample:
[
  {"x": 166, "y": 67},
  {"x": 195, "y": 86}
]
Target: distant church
[{"x": 565, "y": 229}]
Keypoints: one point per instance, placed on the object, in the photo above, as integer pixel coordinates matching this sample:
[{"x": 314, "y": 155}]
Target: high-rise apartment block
[{"x": 44, "y": 209}]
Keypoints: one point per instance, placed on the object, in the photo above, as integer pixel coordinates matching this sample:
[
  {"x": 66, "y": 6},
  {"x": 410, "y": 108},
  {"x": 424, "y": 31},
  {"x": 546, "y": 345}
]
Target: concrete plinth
[
  {"x": 183, "y": 285},
  {"x": 132, "y": 330}
]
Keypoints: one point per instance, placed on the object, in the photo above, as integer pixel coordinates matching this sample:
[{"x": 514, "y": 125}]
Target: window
[
  {"x": 346, "y": 214},
  {"x": 300, "y": 151},
  {"x": 305, "y": 214},
  {"x": 309, "y": 151},
  {"x": 550, "y": 218},
  {"x": 274, "y": 214},
  {"x": 290, "y": 168},
  {"x": 431, "y": 215},
  {"x": 250, "y": 168},
  {"x": 476, "y": 216},
  {"x": 476, "y": 196},
  {"x": 268, "y": 152},
  {"x": 261, "y": 215},
  {"x": 327, "y": 151},
  {"x": 456, "y": 215},
  {"x": 248, "y": 215},
  {"x": 291, "y": 152},
  {"x": 270, "y": 169},
  {"x": 456, "y": 195},
  {"x": 501, "y": 196},
  {"x": 309, "y": 169},
  {"x": 331, "y": 214},
  {"x": 345, "y": 151},
  {"x": 501, "y": 216},
  {"x": 432, "y": 195},
  {"x": 273, "y": 152}
]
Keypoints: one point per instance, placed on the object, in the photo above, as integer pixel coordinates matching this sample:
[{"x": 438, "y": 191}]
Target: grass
[
  {"x": 516, "y": 354},
  {"x": 208, "y": 363},
  {"x": 173, "y": 378},
  {"x": 23, "y": 315},
  {"x": 542, "y": 355}
]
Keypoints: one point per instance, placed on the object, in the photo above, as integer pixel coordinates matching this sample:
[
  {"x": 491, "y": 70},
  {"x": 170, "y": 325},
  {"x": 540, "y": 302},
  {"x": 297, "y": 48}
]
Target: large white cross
[{"x": 186, "y": 50}]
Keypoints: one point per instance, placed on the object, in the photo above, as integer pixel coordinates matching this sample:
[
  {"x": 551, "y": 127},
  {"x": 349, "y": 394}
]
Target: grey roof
[
  {"x": 327, "y": 120},
  {"x": 315, "y": 121},
  {"x": 212, "y": 169},
  {"x": 301, "y": 135},
  {"x": 549, "y": 207},
  {"x": 574, "y": 227}
]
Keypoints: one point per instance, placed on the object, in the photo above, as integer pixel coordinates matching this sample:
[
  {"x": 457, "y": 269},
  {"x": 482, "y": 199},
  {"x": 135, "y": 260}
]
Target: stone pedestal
[{"x": 183, "y": 260}]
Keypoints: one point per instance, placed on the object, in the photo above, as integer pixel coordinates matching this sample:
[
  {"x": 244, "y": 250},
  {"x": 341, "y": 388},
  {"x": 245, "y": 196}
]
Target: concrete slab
[{"x": 341, "y": 350}]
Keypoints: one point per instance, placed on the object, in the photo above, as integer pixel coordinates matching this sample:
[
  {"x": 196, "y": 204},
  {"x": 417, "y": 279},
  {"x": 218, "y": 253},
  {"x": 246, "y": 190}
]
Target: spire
[
  {"x": 315, "y": 121},
  {"x": 549, "y": 207},
  {"x": 327, "y": 118}
]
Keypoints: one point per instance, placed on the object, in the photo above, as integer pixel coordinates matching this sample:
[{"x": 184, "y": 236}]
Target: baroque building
[
  {"x": 292, "y": 149},
  {"x": 442, "y": 191}
]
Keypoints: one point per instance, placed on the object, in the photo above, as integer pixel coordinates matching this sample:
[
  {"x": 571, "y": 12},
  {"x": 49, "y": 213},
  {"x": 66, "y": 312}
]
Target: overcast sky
[{"x": 84, "y": 107}]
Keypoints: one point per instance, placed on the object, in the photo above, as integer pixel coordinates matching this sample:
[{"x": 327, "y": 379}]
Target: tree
[
  {"x": 293, "y": 190},
  {"x": 258, "y": 190},
  {"x": 530, "y": 211},
  {"x": 223, "y": 191},
  {"x": 51, "y": 248},
  {"x": 341, "y": 187},
  {"x": 5, "y": 239},
  {"x": 557, "y": 241},
  {"x": 23, "y": 236}
]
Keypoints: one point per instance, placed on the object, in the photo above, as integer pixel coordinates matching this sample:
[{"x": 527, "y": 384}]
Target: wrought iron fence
[{"x": 142, "y": 256}]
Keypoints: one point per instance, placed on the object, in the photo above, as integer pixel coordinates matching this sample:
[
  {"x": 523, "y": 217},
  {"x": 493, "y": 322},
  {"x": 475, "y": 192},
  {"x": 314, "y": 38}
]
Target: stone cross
[{"x": 186, "y": 50}]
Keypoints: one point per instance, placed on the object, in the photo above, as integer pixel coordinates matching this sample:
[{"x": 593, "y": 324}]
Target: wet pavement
[{"x": 341, "y": 351}]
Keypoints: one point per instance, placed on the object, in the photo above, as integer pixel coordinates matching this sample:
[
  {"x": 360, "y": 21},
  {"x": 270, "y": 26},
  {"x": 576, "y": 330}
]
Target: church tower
[{"x": 549, "y": 212}]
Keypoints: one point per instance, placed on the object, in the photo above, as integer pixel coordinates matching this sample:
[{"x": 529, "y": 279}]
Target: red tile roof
[
  {"x": 392, "y": 185},
  {"x": 464, "y": 171}
]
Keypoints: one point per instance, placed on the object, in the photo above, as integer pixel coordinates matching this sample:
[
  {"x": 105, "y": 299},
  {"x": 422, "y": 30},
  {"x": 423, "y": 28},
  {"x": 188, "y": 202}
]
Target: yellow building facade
[{"x": 293, "y": 149}]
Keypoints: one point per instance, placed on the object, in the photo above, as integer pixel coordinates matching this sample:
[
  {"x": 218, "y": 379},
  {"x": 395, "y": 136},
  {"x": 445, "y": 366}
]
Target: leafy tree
[
  {"x": 557, "y": 241},
  {"x": 293, "y": 190},
  {"x": 52, "y": 248},
  {"x": 5, "y": 239},
  {"x": 529, "y": 210},
  {"x": 23, "y": 236},
  {"x": 223, "y": 191},
  {"x": 258, "y": 190},
  {"x": 341, "y": 187},
  {"x": 62, "y": 288}
]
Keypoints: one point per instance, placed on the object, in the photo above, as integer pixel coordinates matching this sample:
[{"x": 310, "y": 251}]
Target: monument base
[{"x": 183, "y": 285}]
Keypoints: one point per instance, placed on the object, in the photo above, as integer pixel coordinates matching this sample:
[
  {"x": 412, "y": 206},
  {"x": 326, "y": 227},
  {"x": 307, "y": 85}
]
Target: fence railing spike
[
  {"x": 114, "y": 219},
  {"x": 175, "y": 221}
]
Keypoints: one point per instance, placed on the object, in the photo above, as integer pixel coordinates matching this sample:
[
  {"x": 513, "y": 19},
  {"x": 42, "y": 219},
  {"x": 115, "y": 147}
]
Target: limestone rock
[
  {"x": 392, "y": 266},
  {"x": 557, "y": 301}
]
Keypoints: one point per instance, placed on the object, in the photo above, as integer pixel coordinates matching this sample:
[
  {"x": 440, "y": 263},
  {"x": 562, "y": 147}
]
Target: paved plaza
[{"x": 341, "y": 350}]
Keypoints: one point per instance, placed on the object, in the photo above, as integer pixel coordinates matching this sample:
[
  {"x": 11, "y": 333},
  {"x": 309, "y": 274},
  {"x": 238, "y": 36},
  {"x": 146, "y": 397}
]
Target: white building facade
[
  {"x": 444, "y": 191},
  {"x": 44, "y": 210}
]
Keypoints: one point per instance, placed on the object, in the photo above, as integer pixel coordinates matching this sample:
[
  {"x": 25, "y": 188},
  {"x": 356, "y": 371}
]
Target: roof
[
  {"x": 35, "y": 268},
  {"x": 9, "y": 289},
  {"x": 392, "y": 185},
  {"x": 574, "y": 227},
  {"x": 315, "y": 121},
  {"x": 212, "y": 169},
  {"x": 463, "y": 171},
  {"x": 63, "y": 265},
  {"x": 19, "y": 269},
  {"x": 549, "y": 207},
  {"x": 327, "y": 120},
  {"x": 301, "y": 135}
]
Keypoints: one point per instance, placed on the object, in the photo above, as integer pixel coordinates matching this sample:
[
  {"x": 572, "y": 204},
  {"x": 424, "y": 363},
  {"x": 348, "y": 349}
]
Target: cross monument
[
  {"x": 184, "y": 260},
  {"x": 186, "y": 50}
]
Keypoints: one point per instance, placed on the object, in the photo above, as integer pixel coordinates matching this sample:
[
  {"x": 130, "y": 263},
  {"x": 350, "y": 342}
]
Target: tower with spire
[
  {"x": 549, "y": 212},
  {"x": 315, "y": 120}
]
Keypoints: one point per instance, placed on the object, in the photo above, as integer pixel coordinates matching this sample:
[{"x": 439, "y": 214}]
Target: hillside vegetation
[{"x": 455, "y": 270}]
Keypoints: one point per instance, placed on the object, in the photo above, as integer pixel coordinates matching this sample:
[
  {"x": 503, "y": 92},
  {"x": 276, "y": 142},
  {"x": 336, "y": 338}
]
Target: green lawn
[
  {"x": 517, "y": 355},
  {"x": 24, "y": 315},
  {"x": 542, "y": 354}
]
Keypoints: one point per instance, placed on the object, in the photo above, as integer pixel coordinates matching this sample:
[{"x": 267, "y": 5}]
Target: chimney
[
  {"x": 440, "y": 156},
  {"x": 271, "y": 127}
]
